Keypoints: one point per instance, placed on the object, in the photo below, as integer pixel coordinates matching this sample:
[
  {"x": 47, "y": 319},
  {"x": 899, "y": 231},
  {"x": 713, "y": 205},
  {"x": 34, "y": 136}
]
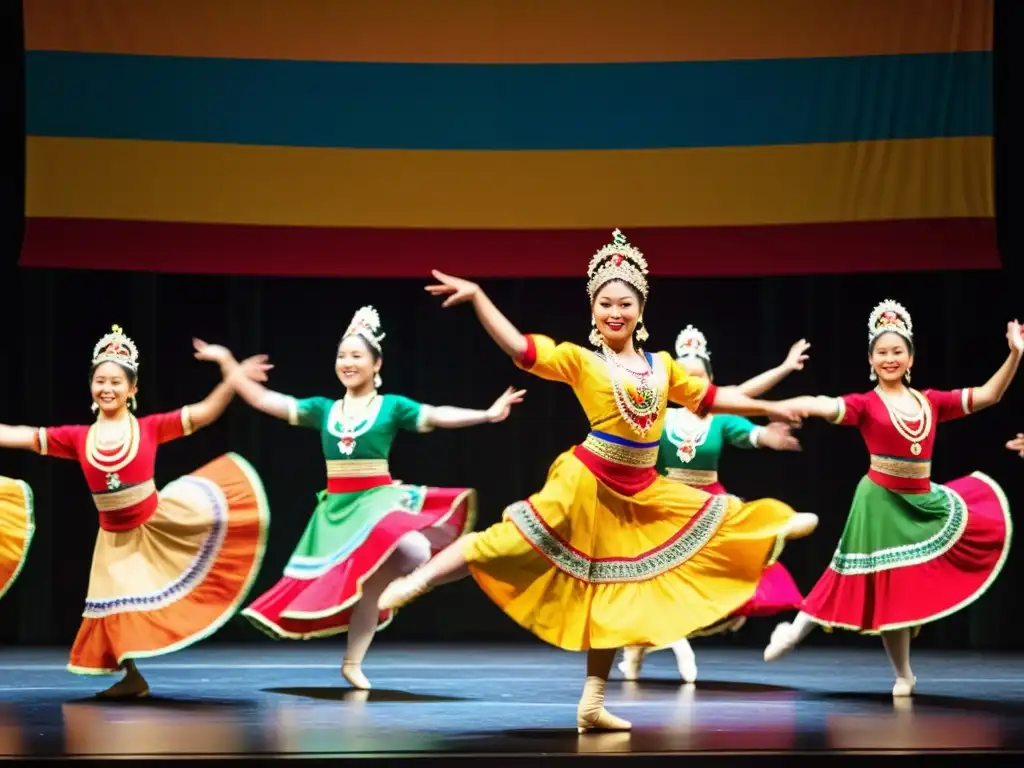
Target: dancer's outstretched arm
[
  {"x": 992, "y": 391},
  {"x": 450, "y": 417},
  {"x": 815, "y": 406},
  {"x": 212, "y": 407},
  {"x": 763, "y": 382},
  {"x": 20, "y": 438},
  {"x": 244, "y": 379},
  {"x": 505, "y": 335}
]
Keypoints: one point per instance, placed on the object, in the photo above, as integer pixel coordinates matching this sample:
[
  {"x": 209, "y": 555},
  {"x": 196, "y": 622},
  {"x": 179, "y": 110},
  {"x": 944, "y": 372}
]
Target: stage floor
[{"x": 288, "y": 700}]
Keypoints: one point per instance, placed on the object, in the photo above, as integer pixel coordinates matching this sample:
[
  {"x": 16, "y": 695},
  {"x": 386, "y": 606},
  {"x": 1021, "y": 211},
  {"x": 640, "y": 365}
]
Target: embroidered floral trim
[
  {"x": 670, "y": 555},
  {"x": 853, "y": 563}
]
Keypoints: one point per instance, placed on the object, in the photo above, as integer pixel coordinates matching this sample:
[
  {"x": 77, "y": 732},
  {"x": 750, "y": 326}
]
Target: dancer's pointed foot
[
  {"x": 783, "y": 640},
  {"x": 632, "y": 662},
  {"x": 403, "y": 591},
  {"x": 686, "y": 660},
  {"x": 353, "y": 672},
  {"x": 132, "y": 686},
  {"x": 800, "y": 525},
  {"x": 591, "y": 714},
  {"x": 904, "y": 687}
]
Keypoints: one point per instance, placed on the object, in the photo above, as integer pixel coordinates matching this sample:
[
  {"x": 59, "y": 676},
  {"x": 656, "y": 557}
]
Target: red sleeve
[
  {"x": 168, "y": 426},
  {"x": 61, "y": 442},
  {"x": 709, "y": 400},
  {"x": 851, "y": 409},
  {"x": 954, "y": 404},
  {"x": 530, "y": 355}
]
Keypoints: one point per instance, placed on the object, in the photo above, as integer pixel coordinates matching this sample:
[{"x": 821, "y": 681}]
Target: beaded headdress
[
  {"x": 890, "y": 316},
  {"x": 617, "y": 261},
  {"x": 691, "y": 343},
  {"x": 366, "y": 323},
  {"x": 115, "y": 347}
]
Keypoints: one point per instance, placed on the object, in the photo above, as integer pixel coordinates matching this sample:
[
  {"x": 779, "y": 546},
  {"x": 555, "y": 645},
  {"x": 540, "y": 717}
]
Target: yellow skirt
[
  {"x": 17, "y": 524},
  {"x": 583, "y": 567},
  {"x": 178, "y": 577}
]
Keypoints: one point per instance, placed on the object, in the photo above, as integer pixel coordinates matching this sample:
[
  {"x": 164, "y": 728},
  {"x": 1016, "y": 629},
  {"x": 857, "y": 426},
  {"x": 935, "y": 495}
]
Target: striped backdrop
[{"x": 508, "y": 137}]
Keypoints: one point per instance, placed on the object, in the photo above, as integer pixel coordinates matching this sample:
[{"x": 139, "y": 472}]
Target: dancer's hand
[
  {"x": 1017, "y": 444},
  {"x": 785, "y": 413},
  {"x": 256, "y": 367},
  {"x": 797, "y": 356},
  {"x": 1014, "y": 338},
  {"x": 457, "y": 289},
  {"x": 779, "y": 437},
  {"x": 503, "y": 405},
  {"x": 212, "y": 353}
]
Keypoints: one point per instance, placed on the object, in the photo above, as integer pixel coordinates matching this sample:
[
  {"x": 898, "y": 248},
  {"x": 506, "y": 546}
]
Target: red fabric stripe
[
  {"x": 875, "y": 246},
  {"x": 352, "y": 484}
]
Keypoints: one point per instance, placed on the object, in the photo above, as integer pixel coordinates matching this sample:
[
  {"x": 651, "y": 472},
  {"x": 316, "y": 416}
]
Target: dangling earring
[
  {"x": 595, "y": 335},
  {"x": 873, "y": 376},
  {"x": 641, "y": 330},
  {"x": 908, "y": 375},
  {"x": 94, "y": 407},
  {"x": 377, "y": 381},
  {"x": 132, "y": 403}
]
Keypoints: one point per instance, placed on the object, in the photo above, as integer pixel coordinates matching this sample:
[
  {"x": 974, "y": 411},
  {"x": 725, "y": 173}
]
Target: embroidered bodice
[
  {"x": 366, "y": 436},
  {"x": 619, "y": 404},
  {"x": 901, "y": 449},
  {"x": 694, "y": 443},
  {"x": 121, "y": 479}
]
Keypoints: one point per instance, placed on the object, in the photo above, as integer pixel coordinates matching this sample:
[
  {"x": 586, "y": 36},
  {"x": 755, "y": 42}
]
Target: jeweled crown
[
  {"x": 115, "y": 347},
  {"x": 366, "y": 322},
  {"x": 691, "y": 343},
  {"x": 617, "y": 261},
  {"x": 889, "y": 316}
]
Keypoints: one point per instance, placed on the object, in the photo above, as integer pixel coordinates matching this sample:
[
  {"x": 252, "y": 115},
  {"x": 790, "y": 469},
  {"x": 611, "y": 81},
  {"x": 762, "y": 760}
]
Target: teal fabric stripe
[{"x": 509, "y": 107}]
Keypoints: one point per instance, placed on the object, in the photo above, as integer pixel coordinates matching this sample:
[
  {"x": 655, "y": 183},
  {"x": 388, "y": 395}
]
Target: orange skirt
[
  {"x": 17, "y": 524},
  {"x": 176, "y": 579}
]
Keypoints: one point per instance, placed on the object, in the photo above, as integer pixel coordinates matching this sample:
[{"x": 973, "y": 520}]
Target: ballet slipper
[
  {"x": 403, "y": 591},
  {"x": 353, "y": 672},
  {"x": 783, "y": 640},
  {"x": 904, "y": 687},
  {"x": 632, "y": 661},
  {"x": 591, "y": 714},
  {"x": 686, "y": 660}
]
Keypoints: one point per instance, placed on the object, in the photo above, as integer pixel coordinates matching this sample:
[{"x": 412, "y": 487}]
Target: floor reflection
[{"x": 436, "y": 700}]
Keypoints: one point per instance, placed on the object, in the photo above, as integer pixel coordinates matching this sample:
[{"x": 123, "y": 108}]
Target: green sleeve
[
  {"x": 310, "y": 413},
  {"x": 737, "y": 431},
  {"x": 409, "y": 415}
]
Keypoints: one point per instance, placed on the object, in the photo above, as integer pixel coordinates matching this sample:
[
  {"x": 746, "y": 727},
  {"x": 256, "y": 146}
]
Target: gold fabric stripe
[
  {"x": 886, "y": 465},
  {"x": 356, "y": 467},
  {"x": 124, "y": 498},
  {"x": 621, "y": 454},
  {"x": 693, "y": 476}
]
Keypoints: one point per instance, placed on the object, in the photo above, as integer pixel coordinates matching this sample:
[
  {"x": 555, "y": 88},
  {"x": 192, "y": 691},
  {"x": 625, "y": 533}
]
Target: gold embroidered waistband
[
  {"x": 887, "y": 465},
  {"x": 693, "y": 476},
  {"x": 356, "y": 467},
  {"x": 124, "y": 498},
  {"x": 642, "y": 457}
]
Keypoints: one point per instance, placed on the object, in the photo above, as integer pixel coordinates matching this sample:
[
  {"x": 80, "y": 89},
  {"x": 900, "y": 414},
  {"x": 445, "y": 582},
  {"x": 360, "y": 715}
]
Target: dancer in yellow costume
[{"x": 608, "y": 553}]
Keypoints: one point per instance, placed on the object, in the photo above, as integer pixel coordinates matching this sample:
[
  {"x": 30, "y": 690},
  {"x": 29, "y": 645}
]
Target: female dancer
[
  {"x": 17, "y": 524},
  {"x": 365, "y": 530},
  {"x": 608, "y": 553},
  {"x": 170, "y": 566},
  {"x": 691, "y": 447},
  {"x": 912, "y": 551}
]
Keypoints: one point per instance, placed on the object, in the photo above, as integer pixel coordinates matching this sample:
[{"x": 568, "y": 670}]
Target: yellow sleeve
[
  {"x": 692, "y": 392},
  {"x": 551, "y": 361}
]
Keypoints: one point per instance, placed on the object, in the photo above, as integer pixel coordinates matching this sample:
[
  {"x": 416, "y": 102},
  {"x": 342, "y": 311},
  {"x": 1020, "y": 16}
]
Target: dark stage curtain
[{"x": 443, "y": 357}]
